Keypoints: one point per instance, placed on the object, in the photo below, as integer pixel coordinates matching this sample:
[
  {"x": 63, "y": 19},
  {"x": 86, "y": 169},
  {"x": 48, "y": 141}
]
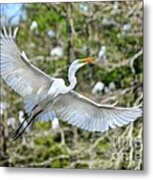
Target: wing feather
[
  {"x": 86, "y": 114},
  {"x": 16, "y": 70}
]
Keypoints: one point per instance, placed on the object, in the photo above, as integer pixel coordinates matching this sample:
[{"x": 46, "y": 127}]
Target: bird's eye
[{"x": 91, "y": 65}]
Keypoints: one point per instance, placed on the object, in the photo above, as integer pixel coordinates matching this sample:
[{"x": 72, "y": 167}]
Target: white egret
[
  {"x": 57, "y": 52},
  {"x": 98, "y": 87},
  {"x": 55, "y": 123},
  {"x": 111, "y": 86},
  {"x": 101, "y": 58},
  {"x": 34, "y": 25},
  {"x": 126, "y": 28},
  {"x": 11, "y": 122},
  {"x": 3, "y": 107},
  {"x": 51, "y": 33},
  {"x": 47, "y": 97}
]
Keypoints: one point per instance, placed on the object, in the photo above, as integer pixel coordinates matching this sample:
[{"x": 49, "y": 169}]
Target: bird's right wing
[
  {"x": 86, "y": 114},
  {"x": 17, "y": 71}
]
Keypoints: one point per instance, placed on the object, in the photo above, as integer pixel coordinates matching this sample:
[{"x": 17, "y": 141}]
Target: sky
[
  {"x": 12, "y": 10},
  {"x": 15, "y": 10}
]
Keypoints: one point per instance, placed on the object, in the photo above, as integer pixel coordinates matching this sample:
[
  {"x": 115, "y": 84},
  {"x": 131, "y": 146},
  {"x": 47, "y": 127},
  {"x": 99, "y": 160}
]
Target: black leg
[{"x": 29, "y": 120}]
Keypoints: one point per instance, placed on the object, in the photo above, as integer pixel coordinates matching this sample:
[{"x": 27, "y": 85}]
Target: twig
[{"x": 134, "y": 58}]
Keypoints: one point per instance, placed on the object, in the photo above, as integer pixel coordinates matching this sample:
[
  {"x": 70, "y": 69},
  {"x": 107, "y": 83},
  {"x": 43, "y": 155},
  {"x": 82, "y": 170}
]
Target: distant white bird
[
  {"x": 55, "y": 123},
  {"x": 102, "y": 55},
  {"x": 107, "y": 22},
  {"x": 11, "y": 122},
  {"x": 57, "y": 52},
  {"x": 111, "y": 86},
  {"x": 34, "y": 25},
  {"x": 47, "y": 97},
  {"x": 3, "y": 107},
  {"x": 2, "y": 92},
  {"x": 99, "y": 86},
  {"x": 115, "y": 9},
  {"x": 84, "y": 7},
  {"x": 126, "y": 27},
  {"x": 51, "y": 33}
]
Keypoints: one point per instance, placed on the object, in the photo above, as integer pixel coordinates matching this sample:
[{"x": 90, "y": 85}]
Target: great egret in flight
[{"x": 46, "y": 97}]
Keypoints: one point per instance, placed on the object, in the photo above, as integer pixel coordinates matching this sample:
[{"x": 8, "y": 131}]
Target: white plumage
[
  {"x": 51, "y": 33},
  {"x": 57, "y": 52},
  {"x": 34, "y": 25},
  {"x": 98, "y": 87},
  {"x": 55, "y": 123},
  {"x": 101, "y": 58},
  {"x": 46, "y": 97},
  {"x": 11, "y": 122},
  {"x": 3, "y": 107},
  {"x": 111, "y": 86}
]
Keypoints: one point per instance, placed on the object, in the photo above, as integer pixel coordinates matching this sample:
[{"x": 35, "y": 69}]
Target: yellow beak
[{"x": 87, "y": 60}]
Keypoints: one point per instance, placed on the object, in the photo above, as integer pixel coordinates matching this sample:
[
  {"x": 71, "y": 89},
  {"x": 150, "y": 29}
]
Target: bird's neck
[
  {"x": 72, "y": 79},
  {"x": 73, "y": 82}
]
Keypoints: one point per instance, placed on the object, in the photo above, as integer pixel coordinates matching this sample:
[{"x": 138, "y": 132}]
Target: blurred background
[{"x": 53, "y": 35}]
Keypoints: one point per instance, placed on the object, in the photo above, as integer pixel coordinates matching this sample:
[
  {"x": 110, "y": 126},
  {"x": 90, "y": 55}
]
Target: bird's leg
[
  {"x": 20, "y": 126},
  {"x": 25, "y": 116},
  {"x": 18, "y": 133},
  {"x": 29, "y": 120},
  {"x": 31, "y": 117}
]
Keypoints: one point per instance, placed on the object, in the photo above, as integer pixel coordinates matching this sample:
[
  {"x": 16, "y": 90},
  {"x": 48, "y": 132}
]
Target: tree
[{"x": 81, "y": 29}]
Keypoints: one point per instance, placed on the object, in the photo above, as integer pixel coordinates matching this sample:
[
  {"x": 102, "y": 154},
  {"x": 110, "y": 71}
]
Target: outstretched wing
[
  {"x": 86, "y": 114},
  {"x": 17, "y": 71}
]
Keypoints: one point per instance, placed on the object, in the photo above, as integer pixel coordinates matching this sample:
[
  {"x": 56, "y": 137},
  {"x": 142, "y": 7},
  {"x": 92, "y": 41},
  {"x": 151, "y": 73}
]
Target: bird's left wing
[
  {"x": 86, "y": 114},
  {"x": 17, "y": 71}
]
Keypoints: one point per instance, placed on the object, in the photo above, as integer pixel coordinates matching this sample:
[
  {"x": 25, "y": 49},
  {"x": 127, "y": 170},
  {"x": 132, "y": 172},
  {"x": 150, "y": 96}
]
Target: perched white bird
[
  {"x": 107, "y": 22},
  {"x": 84, "y": 7},
  {"x": 3, "y": 107},
  {"x": 99, "y": 86},
  {"x": 102, "y": 55},
  {"x": 47, "y": 97},
  {"x": 115, "y": 9},
  {"x": 126, "y": 27},
  {"x": 34, "y": 25},
  {"x": 111, "y": 86},
  {"x": 57, "y": 52},
  {"x": 2, "y": 92},
  {"x": 55, "y": 123},
  {"x": 51, "y": 33},
  {"x": 11, "y": 122}
]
